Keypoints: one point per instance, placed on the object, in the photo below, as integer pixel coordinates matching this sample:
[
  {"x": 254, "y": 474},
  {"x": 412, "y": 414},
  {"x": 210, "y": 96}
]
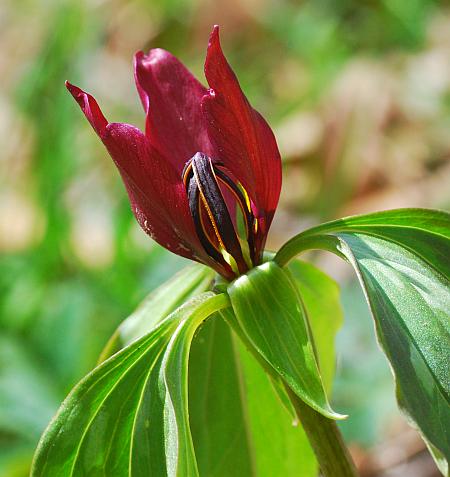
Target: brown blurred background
[{"x": 358, "y": 94}]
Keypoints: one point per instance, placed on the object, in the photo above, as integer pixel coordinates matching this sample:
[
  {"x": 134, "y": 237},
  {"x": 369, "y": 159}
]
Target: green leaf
[
  {"x": 421, "y": 231},
  {"x": 217, "y": 408},
  {"x": 187, "y": 283},
  {"x": 129, "y": 417},
  {"x": 402, "y": 261},
  {"x": 279, "y": 443},
  {"x": 440, "y": 460},
  {"x": 272, "y": 317},
  {"x": 410, "y": 303},
  {"x": 239, "y": 426},
  {"x": 242, "y": 421}
]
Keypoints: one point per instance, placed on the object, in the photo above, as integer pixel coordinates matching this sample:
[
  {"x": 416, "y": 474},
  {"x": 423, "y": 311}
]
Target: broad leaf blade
[
  {"x": 402, "y": 260},
  {"x": 279, "y": 442},
  {"x": 268, "y": 309},
  {"x": 242, "y": 421},
  {"x": 239, "y": 426},
  {"x": 411, "y": 305},
  {"x": 217, "y": 404},
  {"x": 423, "y": 232},
  {"x": 427, "y": 220},
  {"x": 129, "y": 416},
  {"x": 440, "y": 460}
]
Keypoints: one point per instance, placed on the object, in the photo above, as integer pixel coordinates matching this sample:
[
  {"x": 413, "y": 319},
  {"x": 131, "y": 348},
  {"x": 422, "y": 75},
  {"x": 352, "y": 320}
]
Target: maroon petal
[
  {"x": 156, "y": 192},
  {"x": 244, "y": 141},
  {"x": 171, "y": 97},
  {"x": 155, "y": 188}
]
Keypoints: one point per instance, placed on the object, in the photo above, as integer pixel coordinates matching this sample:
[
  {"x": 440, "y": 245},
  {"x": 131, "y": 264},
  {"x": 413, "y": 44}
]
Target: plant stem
[{"x": 325, "y": 439}]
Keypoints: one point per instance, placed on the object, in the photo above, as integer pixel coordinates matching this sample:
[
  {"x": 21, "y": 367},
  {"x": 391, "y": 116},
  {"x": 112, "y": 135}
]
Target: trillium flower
[{"x": 205, "y": 178}]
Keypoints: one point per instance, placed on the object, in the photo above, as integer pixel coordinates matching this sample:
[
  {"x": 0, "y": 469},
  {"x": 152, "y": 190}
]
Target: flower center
[{"x": 222, "y": 214}]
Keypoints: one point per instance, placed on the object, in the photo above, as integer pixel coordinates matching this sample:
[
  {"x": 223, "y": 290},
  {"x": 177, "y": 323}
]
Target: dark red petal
[
  {"x": 171, "y": 97},
  {"x": 155, "y": 188},
  {"x": 90, "y": 108},
  {"x": 156, "y": 192},
  {"x": 244, "y": 141}
]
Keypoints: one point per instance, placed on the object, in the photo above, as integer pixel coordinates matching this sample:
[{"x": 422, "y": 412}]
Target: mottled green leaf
[
  {"x": 129, "y": 417},
  {"x": 402, "y": 260},
  {"x": 411, "y": 305},
  {"x": 423, "y": 232}
]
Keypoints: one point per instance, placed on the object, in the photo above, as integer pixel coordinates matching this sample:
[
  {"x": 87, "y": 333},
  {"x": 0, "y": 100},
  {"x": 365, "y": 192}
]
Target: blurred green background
[{"x": 358, "y": 93}]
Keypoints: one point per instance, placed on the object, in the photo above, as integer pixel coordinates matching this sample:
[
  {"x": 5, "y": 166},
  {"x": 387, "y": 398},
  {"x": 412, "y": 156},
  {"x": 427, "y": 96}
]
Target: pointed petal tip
[
  {"x": 73, "y": 90},
  {"x": 229, "y": 114},
  {"x": 214, "y": 53},
  {"x": 214, "y": 38},
  {"x": 89, "y": 107}
]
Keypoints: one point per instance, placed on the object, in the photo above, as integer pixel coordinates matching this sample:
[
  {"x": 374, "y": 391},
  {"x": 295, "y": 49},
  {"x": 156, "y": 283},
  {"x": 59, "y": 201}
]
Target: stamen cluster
[{"x": 216, "y": 227}]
